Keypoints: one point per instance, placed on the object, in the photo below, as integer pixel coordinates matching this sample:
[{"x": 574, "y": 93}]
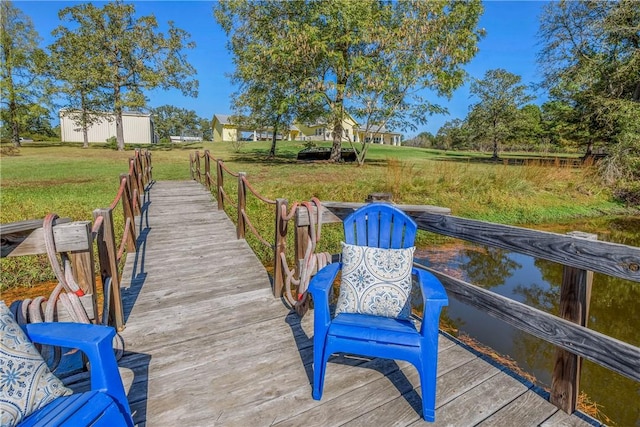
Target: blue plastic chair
[
  {"x": 384, "y": 226},
  {"x": 106, "y": 404}
]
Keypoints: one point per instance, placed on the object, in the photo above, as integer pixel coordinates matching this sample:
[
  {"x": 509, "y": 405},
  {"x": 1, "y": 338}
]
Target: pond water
[{"x": 614, "y": 310}]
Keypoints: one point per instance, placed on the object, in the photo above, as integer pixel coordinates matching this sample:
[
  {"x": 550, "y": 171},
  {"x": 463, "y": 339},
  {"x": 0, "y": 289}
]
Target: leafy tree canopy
[
  {"x": 22, "y": 81},
  {"x": 371, "y": 59},
  {"x": 127, "y": 54}
]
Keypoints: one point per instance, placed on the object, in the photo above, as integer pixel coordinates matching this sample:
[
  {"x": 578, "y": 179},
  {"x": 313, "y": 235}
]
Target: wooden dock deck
[{"x": 208, "y": 345}]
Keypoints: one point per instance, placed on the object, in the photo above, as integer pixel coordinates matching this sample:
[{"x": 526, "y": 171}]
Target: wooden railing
[
  {"x": 243, "y": 222},
  {"x": 130, "y": 193},
  {"x": 580, "y": 254},
  {"x": 77, "y": 238}
]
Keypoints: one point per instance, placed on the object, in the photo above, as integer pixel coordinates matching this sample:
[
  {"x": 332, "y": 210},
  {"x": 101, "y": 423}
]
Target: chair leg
[
  {"x": 428, "y": 372},
  {"x": 319, "y": 368}
]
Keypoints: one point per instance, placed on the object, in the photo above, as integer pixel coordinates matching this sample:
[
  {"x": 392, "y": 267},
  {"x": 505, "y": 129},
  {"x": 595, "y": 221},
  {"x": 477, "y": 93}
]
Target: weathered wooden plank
[
  {"x": 480, "y": 402},
  {"x": 407, "y": 409},
  {"x": 561, "y": 419},
  {"x": 604, "y": 350},
  {"x": 68, "y": 237},
  {"x": 609, "y": 258},
  {"x": 530, "y": 409},
  {"x": 337, "y": 211}
]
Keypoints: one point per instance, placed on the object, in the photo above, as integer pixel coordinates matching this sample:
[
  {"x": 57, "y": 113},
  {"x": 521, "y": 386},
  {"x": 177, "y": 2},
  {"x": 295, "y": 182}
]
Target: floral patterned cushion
[
  {"x": 26, "y": 384},
  {"x": 375, "y": 281}
]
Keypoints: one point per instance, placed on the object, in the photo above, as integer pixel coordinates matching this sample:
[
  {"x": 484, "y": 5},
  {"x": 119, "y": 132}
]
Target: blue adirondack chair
[
  {"x": 106, "y": 404},
  {"x": 383, "y": 226}
]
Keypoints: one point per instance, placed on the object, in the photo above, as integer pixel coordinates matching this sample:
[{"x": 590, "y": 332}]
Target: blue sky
[{"x": 510, "y": 43}]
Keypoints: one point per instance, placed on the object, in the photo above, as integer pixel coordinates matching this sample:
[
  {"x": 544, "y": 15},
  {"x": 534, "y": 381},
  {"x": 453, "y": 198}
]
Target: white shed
[{"x": 137, "y": 128}]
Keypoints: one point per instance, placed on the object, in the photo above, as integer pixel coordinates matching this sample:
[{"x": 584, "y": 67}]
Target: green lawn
[{"x": 72, "y": 182}]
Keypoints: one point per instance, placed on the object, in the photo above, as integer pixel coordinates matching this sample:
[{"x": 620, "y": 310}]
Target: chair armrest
[
  {"x": 96, "y": 342},
  {"x": 319, "y": 287},
  {"x": 431, "y": 287},
  {"x": 322, "y": 282}
]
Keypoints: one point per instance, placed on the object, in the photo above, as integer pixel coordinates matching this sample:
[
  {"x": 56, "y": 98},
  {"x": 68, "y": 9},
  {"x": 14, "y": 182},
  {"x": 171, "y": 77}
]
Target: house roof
[{"x": 222, "y": 118}]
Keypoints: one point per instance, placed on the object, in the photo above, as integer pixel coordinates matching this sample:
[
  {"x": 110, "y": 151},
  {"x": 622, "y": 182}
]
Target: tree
[
  {"x": 591, "y": 62},
  {"x": 454, "y": 134},
  {"x": 85, "y": 99},
  {"x": 526, "y": 128},
  {"x": 501, "y": 95},
  {"x": 22, "y": 83},
  {"x": 368, "y": 58},
  {"x": 271, "y": 86},
  {"x": 132, "y": 55},
  {"x": 169, "y": 120}
]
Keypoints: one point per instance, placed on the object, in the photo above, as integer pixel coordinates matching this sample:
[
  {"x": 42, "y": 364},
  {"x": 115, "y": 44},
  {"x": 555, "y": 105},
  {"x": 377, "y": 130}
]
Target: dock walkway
[{"x": 208, "y": 345}]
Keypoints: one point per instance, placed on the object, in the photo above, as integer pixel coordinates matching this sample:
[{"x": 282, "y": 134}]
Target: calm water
[{"x": 614, "y": 311}]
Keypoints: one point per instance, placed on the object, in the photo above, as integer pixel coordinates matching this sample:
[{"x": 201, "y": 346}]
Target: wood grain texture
[
  {"x": 609, "y": 352},
  {"x": 69, "y": 237},
  {"x": 208, "y": 344}
]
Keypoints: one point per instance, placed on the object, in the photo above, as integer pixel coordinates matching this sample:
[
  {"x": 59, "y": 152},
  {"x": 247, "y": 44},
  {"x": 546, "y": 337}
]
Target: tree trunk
[
  {"x": 336, "y": 147},
  {"x": 15, "y": 131},
  {"x": 85, "y": 129},
  {"x": 272, "y": 151},
  {"x": 119, "y": 130}
]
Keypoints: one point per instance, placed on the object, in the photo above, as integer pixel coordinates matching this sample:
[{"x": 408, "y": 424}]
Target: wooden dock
[{"x": 208, "y": 345}]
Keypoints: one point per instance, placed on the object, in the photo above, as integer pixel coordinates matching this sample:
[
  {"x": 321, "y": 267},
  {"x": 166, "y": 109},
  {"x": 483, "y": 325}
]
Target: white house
[{"x": 137, "y": 128}]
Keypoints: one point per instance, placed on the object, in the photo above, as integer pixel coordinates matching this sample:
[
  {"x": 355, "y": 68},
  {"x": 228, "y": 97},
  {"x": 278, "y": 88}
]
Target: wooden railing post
[
  {"x": 191, "y": 165},
  {"x": 280, "y": 247},
  {"x": 220, "y": 184},
  {"x": 199, "y": 177},
  {"x": 207, "y": 169},
  {"x": 130, "y": 211},
  {"x": 84, "y": 274},
  {"x": 302, "y": 239},
  {"x": 107, "y": 255},
  {"x": 132, "y": 181},
  {"x": 242, "y": 205},
  {"x": 575, "y": 295}
]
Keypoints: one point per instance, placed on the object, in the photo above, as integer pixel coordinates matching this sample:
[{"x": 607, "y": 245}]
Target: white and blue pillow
[
  {"x": 376, "y": 281},
  {"x": 26, "y": 384}
]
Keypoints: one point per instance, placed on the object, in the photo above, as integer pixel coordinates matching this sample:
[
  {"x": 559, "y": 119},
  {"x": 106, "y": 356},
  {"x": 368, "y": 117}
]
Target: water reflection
[{"x": 613, "y": 309}]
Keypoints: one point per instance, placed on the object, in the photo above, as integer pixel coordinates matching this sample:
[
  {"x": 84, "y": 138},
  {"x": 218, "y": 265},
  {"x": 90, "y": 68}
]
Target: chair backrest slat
[{"x": 380, "y": 225}]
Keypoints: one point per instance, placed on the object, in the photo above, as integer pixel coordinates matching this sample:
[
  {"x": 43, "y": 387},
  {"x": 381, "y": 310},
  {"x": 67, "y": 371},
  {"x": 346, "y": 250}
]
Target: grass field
[{"x": 72, "y": 182}]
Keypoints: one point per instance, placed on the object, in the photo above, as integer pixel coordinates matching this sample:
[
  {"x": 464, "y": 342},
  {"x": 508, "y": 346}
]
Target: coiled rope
[
  {"x": 312, "y": 261},
  {"x": 41, "y": 309}
]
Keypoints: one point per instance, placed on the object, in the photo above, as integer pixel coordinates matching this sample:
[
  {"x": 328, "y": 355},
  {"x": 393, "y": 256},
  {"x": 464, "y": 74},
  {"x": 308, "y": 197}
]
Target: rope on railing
[
  {"x": 255, "y": 232},
  {"x": 123, "y": 242},
  {"x": 312, "y": 261},
  {"x": 123, "y": 182},
  {"x": 255, "y": 193},
  {"x": 224, "y": 168},
  {"x": 226, "y": 197}
]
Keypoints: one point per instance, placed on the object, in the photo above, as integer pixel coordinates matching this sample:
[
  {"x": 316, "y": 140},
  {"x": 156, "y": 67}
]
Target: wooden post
[
  {"x": 302, "y": 238},
  {"x": 575, "y": 295},
  {"x": 132, "y": 181},
  {"x": 191, "y": 164},
  {"x": 198, "y": 167},
  {"x": 280, "y": 248},
  {"x": 84, "y": 275},
  {"x": 107, "y": 253},
  {"x": 242, "y": 205},
  {"x": 220, "y": 184},
  {"x": 207, "y": 169},
  {"x": 130, "y": 211}
]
